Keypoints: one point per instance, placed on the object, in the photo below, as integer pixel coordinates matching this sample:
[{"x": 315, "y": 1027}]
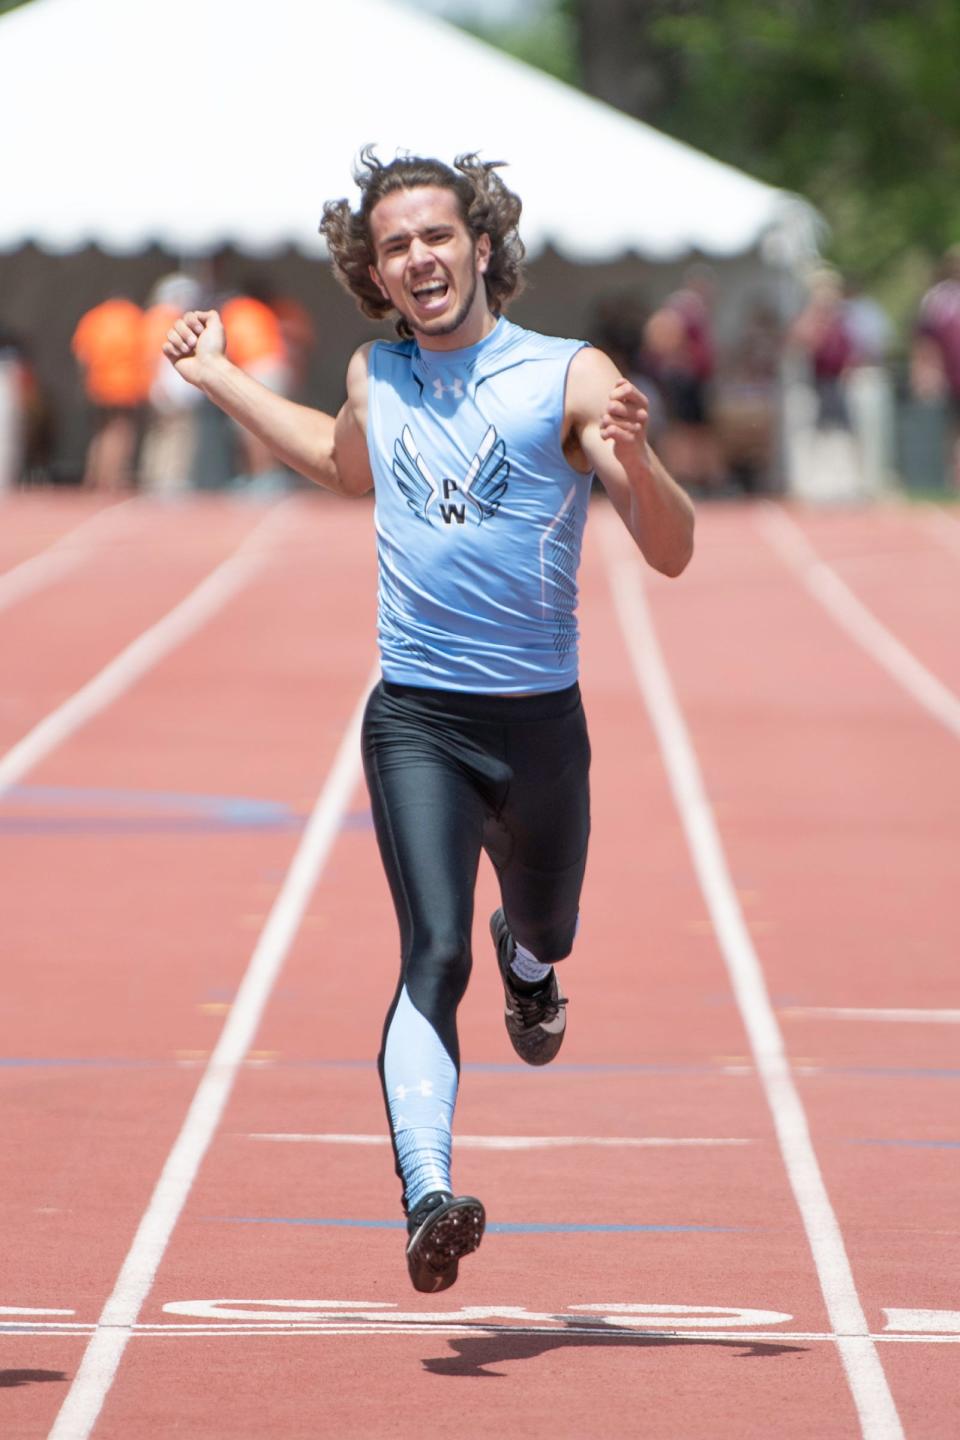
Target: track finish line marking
[
  {"x": 518, "y": 1142},
  {"x": 612, "y": 1320}
]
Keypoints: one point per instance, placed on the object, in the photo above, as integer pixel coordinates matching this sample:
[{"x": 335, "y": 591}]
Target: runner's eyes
[{"x": 436, "y": 237}]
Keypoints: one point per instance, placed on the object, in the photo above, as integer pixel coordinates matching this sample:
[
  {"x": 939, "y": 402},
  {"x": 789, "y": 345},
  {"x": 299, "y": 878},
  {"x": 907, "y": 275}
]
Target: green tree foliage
[
  {"x": 547, "y": 40},
  {"x": 853, "y": 103}
]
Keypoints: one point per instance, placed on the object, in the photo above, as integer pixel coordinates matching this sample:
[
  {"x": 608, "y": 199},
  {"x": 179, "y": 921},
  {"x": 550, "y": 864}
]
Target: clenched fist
[
  {"x": 624, "y": 421},
  {"x": 197, "y": 336}
]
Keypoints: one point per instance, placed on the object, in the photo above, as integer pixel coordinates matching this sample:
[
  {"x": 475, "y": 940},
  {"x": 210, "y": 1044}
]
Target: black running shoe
[
  {"x": 535, "y": 1018},
  {"x": 443, "y": 1228}
]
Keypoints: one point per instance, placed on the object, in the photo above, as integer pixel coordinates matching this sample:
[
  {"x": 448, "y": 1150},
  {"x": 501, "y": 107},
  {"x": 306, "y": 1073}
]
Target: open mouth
[{"x": 431, "y": 294}]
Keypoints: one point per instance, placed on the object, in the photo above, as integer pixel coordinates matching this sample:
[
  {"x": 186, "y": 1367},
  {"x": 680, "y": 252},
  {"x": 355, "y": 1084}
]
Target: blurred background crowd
[
  {"x": 833, "y": 374},
  {"x": 827, "y": 401},
  {"x": 140, "y": 425}
]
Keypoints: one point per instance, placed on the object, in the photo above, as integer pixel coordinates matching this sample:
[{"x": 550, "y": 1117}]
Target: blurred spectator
[
  {"x": 746, "y": 408},
  {"x": 935, "y": 356},
  {"x": 225, "y": 456},
  {"x": 13, "y": 420},
  {"x": 169, "y": 442},
  {"x": 26, "y": 419},
  {"x": 40, "y": 429},
  {"x": 255, "y": 343},
  {"x": 869, "y": 389},
  {"x": 108, "y": 344},
  {"x": 938, "y": 322},
  {"x": 618, "y": 330},
  {"x": 679, "y": 354},
  {"x": 694, "y": 304},
  {"x": 822, "y": 334},
  {"x": 869, "y": 326},
  {"x": 299, "y": 337}
]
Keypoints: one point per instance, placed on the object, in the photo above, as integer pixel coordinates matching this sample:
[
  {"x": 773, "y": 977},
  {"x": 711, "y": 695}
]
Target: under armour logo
[
  {"x": 425, "y": 1088},
  {"x": 439, "y": 389}
]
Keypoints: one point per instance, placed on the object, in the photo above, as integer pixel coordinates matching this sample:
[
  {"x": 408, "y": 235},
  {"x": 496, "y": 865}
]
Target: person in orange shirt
[
  {"x": 299, "y": 337},
  {"x": 256, "y": 346},
  {"x": 108, "y": 345}
]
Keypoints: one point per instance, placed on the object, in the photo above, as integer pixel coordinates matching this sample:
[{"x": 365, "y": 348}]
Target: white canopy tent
[
  {"x": 137, "y": 136},
  {"x": 193, "y": 123}
]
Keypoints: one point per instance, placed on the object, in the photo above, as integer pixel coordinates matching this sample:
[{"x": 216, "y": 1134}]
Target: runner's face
[{"x": 428, "y": 265}]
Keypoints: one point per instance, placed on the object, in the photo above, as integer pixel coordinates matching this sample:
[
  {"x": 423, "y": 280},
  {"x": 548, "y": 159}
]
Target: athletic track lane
[{"x": 144, "y": 855}]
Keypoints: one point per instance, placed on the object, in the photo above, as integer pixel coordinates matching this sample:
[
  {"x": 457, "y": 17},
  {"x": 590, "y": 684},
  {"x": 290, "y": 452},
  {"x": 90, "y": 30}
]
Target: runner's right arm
[{"x": 332, "y": 451}]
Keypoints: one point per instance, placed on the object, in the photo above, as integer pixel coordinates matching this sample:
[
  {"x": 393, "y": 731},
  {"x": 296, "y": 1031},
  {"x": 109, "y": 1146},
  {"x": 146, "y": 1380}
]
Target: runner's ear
[{"x": 375, "y": 277}]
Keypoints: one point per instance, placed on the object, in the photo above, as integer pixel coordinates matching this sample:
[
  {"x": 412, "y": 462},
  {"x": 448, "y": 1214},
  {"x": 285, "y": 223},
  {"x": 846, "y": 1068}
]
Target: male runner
[{"x": 481, "y": 440}]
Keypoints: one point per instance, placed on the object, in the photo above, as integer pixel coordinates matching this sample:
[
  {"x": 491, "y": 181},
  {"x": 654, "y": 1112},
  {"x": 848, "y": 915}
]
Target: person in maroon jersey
[{"x": 935, "y": 362}]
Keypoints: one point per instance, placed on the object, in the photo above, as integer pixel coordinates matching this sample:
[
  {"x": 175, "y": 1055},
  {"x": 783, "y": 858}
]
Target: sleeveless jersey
[{"x": 479, "y": 516}]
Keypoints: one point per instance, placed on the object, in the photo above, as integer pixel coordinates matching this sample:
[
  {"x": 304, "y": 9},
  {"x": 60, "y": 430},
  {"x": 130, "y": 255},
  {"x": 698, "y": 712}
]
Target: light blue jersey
[{"x": 479, "y": 516}]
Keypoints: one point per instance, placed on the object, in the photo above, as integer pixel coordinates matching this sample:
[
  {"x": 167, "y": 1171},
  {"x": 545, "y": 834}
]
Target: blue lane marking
[
  {"x": 480, "y": 1067},
  {"x": 137, "y": 811},
  {"x": 893, "y": 1072},
  {"x": 65, "y": 1061},
  {"x": 522, "y": 1228},
  {"x": 510, "y": 1067},
  {"x": 103, "y": 1062},
  {"x": 145, "y": 825},
  {"x": 74, "y": 796},
  {"x": 584, "y": 1067},
  {"x": 915, "y": 1144},
  {"x": 571, "y": 1067},
  {"x": 358, "y": 820},
  {"x": 495, "y": 1228},
  {"x": 146, "y": 811}
]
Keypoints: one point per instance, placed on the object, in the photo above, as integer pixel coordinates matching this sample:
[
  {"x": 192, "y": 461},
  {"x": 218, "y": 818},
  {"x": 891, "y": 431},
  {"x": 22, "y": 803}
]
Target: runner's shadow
[
  {"x": 476, "y": 1353},
  {"x": 11, "y": 1378}
]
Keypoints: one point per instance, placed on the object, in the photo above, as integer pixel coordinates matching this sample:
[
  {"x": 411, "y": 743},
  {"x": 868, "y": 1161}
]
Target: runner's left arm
[{"x": 606, "y": 431}]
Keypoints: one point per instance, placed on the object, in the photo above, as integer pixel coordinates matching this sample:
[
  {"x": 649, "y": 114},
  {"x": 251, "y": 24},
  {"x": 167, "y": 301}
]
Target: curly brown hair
[{"x": 486, "y": 206}]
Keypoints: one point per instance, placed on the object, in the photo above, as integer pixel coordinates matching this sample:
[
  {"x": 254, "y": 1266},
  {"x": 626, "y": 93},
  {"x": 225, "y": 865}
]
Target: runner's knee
[
  {"x": 436, "y": 972},
  {"x": 549, "y": 943}
]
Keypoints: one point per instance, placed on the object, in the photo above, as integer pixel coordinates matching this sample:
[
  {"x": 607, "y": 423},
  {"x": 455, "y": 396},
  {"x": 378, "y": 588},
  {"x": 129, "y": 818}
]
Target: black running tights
[{"x": 450, "y": 775}]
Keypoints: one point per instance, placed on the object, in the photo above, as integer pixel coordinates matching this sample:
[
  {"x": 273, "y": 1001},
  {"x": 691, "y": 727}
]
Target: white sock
[{"x": 527, "y": 967}]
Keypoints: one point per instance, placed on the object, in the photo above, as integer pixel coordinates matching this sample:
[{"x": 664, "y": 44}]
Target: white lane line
[
  {"x": 515, "y": 1142},
  {"x": 432, "y": 1328},
  {"x": 868, "y": 1384},
  {"x": 150, "y": 647},
  {"x": 908, "y": 1017},
  {"x": 115, "y": 1327},
  {"x": 825, "y": 585},
  {"x": 61, "y": 556}
]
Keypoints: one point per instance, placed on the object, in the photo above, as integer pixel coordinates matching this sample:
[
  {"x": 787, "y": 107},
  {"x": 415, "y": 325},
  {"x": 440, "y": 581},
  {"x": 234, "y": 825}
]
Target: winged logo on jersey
[{"x": 482, "y": 487}]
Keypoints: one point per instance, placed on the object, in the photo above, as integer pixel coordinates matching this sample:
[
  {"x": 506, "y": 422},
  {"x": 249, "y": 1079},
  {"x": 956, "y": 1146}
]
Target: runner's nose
[{"x": 419, "y": 253}]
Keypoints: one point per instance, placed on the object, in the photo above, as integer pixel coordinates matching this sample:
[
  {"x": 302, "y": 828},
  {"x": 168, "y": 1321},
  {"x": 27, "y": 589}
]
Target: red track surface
[{"x": 134, "y": 896}]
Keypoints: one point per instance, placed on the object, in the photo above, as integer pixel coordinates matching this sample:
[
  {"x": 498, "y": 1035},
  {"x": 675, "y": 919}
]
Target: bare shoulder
[
  {"x": 356, "y": 382},
  {"x": 360, "y": 361},
  {"x": 591, "y": 377},
  {"x": 358, "y": 370}
]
